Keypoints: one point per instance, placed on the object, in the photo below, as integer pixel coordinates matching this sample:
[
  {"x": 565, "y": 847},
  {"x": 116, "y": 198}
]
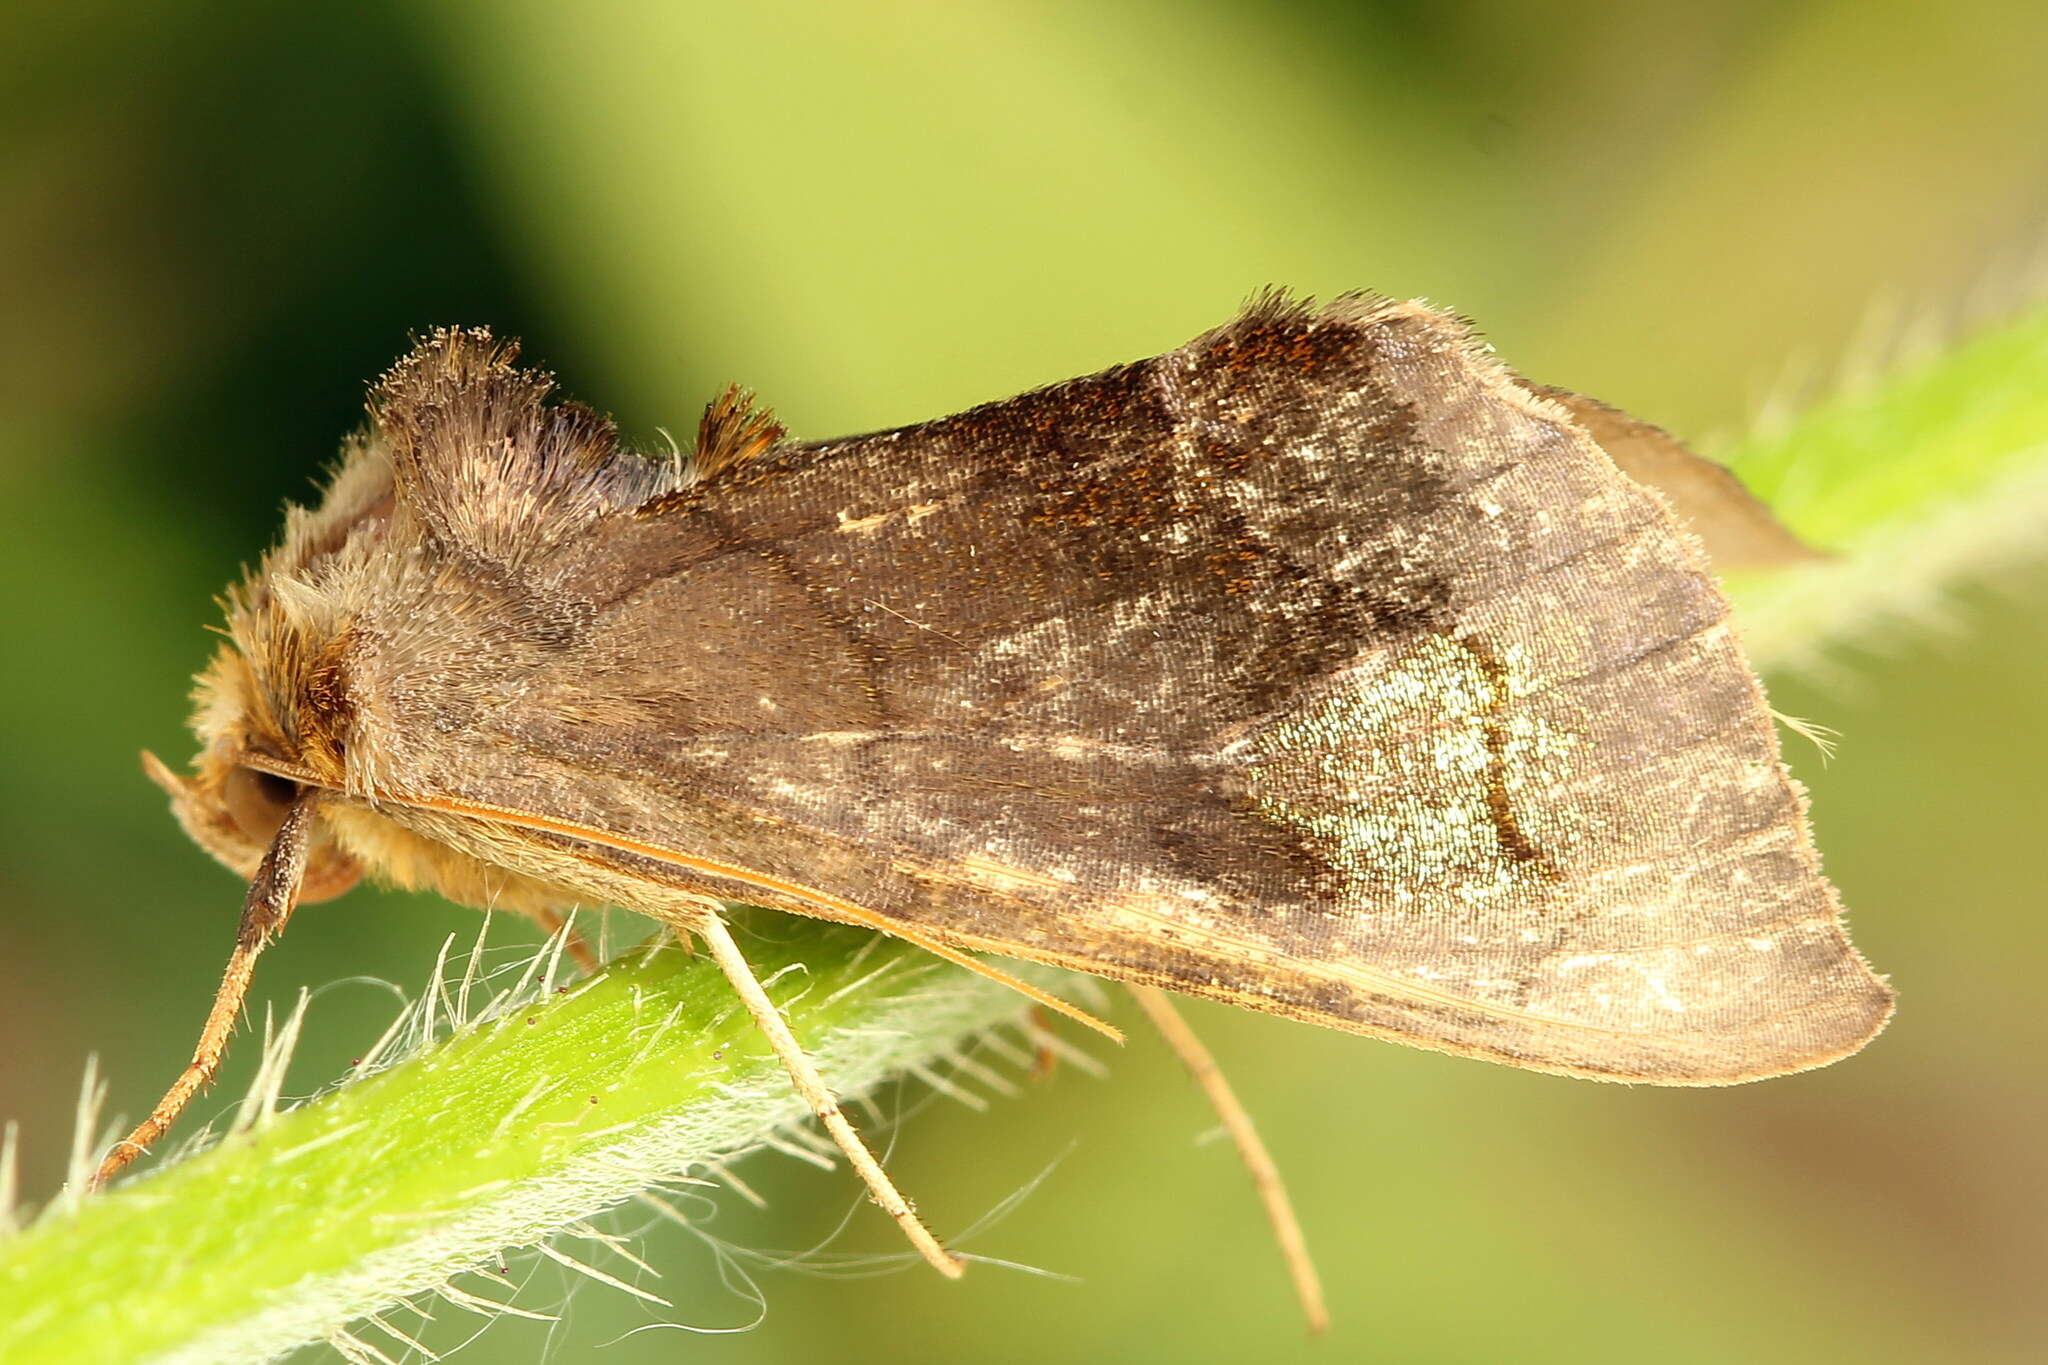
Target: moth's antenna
[
  {"x": 1308, "y": 1287},
  {"x": 809, "y": 1084},
  {"x": 273, "y": 894}
]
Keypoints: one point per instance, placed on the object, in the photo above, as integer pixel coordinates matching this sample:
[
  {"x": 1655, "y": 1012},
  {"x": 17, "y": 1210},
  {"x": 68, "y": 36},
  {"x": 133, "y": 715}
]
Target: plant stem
[
  {"x": 542, "y": 1114},
  {"x": 1935, "y": 472}
]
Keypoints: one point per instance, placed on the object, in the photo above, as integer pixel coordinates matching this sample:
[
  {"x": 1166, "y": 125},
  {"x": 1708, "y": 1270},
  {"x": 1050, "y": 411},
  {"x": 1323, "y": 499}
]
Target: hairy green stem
[
  {"x": 1934, "y": 472},
  {"x": 543, "y": 1113},
  {"x": 551, "y": 1107}
]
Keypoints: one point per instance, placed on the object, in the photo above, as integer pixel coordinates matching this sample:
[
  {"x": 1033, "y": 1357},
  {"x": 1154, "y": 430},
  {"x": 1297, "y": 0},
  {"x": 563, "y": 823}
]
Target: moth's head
[
  {"x": 463, "y": 472},
  {"x": 230, "y": 807},
  {"x": 271, "y": 710}
]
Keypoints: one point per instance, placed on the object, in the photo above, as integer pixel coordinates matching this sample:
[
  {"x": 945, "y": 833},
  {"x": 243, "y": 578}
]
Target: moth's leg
[
  {"x": 273, "y": 893},
  {"x": 1265, "y": 1175},
  {"x": 1045, "y": 1061},
  {"x": 811, "y": 1086},
  {"x": 551, "y": 923}
]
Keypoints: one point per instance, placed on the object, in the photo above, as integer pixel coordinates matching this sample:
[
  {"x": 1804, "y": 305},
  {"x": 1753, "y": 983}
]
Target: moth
[{"x": 1322, "y": 666}]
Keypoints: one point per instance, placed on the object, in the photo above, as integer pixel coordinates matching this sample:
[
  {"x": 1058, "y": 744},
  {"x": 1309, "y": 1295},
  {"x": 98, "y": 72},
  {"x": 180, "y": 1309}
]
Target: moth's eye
[{"x": 257, "y": 801}]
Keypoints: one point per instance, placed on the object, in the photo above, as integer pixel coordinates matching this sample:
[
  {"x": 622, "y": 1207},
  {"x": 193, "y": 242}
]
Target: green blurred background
[{"x": 218, "y": 220}]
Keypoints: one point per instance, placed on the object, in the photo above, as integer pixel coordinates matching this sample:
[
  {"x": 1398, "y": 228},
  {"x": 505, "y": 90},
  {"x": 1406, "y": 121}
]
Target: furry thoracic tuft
[
  {"x": 733, "y": 431},
  {"x": 486, "y": 461}
]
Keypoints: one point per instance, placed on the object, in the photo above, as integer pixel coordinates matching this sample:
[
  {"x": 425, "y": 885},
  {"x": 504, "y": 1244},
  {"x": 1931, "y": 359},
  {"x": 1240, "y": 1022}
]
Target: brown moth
[{"x": 1321, "y": 666}]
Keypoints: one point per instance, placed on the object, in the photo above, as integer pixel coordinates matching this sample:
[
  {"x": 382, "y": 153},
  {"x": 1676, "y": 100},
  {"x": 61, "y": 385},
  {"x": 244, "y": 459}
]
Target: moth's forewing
[{"x": 1319, "y": 667}]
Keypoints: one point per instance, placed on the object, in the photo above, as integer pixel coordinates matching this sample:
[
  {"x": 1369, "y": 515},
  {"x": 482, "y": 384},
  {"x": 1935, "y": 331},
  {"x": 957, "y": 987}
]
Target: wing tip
[{"x": 1829, "y": 1030}]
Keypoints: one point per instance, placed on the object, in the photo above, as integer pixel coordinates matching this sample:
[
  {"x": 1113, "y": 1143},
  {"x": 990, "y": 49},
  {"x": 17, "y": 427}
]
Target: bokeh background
[{"x": 218, "y": 220}]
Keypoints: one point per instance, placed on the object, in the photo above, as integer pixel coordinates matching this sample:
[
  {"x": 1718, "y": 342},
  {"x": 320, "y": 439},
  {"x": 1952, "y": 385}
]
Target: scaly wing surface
[{"x": 1319, "y": 666}]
